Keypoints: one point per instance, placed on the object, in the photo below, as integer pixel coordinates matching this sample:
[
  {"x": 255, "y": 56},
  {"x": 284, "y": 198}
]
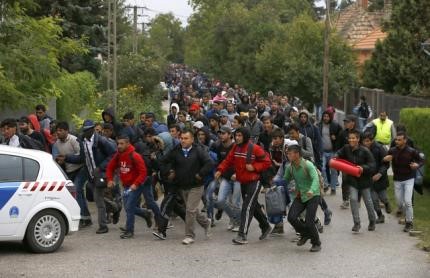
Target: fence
[{"x": 380, "y": 101}]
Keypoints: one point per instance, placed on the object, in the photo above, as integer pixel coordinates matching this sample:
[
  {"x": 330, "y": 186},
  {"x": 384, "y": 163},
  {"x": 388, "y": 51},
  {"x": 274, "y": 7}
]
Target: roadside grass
[{"x": 421, "y": 214}]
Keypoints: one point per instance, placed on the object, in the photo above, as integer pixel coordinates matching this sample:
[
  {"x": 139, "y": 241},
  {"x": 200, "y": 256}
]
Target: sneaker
[
  {"x": 278, "y": 230},
  {"x": 315, "y": 248},
  {"x": 148, "y": 219},
  {"x": 208, "y": 229},
  {"x": 230, "y": 225},
  {"x": 408, "y": 227},
  {"x": 326, "y": 188},
  {"x": 381, "y": 219},
  {"x": 345, "y": 205},
  {"x": 218, "y": 214},
  {"x": 159, "y": 235},
  {"x": 170, "y": 225},
  {"x": 212, "y": 223},
  {"x": 102, "y": 230},
  {"x": 235, "y": 228},
  {"x": 356, "y": 227},
  {"x": 371, "y": 226},
  {"x": 126, "y": 235},
  {"x": 387, "y": 208},
  {"x": 123, "y": 229},
  {"x": 319, "y": 226},
  {"x": 327, "y": 217},
  {"x": 83, "y": 223},
  {"x": 333, "y": 192},
  {"x": 115, "y": 217},
  {"x": 302, "y": 241},
  {"x": 399, "y": 213},
  {"x": 265, "y": 232},
  {"x": 188, "y": 241},
  {"x": 240, "y": 240}
]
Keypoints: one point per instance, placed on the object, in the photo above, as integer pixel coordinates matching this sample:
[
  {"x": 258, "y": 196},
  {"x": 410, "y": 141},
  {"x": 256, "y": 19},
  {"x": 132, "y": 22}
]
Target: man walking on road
[
  {"x": 405, "y": 161},
  {"x": 304, "y": 173},
  {"x": 363, "y": 158},
  {"x": 248, "y": 167},
  {"x": 132, "y": 172},
  {"x": 189, "y": 164}
]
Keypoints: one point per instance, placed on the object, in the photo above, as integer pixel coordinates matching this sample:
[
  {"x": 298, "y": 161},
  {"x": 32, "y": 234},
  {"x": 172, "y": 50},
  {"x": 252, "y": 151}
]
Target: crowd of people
[{"x": 222, "y": 146}]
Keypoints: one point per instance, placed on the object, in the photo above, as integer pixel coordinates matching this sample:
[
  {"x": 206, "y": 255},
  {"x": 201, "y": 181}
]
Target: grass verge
[{"x": 421, "y": 214}]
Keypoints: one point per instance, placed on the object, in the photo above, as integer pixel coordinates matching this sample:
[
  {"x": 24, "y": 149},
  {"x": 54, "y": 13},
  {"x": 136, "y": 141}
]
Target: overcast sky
[{"x": 179, "y": 8}]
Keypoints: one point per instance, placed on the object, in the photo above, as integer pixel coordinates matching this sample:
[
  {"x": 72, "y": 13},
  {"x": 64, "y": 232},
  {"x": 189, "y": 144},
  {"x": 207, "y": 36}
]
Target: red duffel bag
[{"x": 345, "y": 167}]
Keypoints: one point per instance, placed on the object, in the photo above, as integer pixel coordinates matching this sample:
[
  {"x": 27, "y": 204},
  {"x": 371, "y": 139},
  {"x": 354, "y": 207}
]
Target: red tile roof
[{"x": 369, "y": 42}]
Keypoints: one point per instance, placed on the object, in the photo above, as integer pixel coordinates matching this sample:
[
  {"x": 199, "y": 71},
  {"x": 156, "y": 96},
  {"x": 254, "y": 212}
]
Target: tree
[
  {"x": 398, "y": 64},
  {"x": 293, "y": 62},
  {"x": 223, "y": 37},
  {"x": 165, "y": 37},
  {"x": 30, "y": 53}
]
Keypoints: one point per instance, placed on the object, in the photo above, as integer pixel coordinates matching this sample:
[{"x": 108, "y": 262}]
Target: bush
[{"x": 415, "y": 120}]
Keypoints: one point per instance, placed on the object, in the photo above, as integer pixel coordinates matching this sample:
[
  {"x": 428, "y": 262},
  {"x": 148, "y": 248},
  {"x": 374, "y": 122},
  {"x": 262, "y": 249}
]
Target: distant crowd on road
[{"x": 223, "y": 146}]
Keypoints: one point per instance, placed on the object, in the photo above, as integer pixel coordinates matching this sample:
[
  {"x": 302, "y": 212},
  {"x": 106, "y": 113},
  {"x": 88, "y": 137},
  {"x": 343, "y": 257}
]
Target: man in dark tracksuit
[
  {"x": 379, "y": 177},
  {"x": 363, "y": 158},
  {"x": 188, "y": 165},
  {"x": 248, "y": 174}
]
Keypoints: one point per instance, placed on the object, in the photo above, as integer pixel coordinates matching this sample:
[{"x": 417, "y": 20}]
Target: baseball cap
[
  {"x": 88, "y": 124},
  {"x": 224, "y": 129},
  {"x": 223, "y": 113}
]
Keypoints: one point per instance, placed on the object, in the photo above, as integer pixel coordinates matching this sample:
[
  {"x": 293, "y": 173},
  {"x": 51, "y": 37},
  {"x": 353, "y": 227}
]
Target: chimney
[{"x": 363, "y": 4}]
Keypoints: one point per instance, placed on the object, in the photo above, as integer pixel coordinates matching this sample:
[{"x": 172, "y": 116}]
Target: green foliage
[
  {"x": 293, "y": 63},
  {"x": 165, "y": 37},
  {"x": 131, "y": 98},
  {"x": 30, "y": 53},
  {"x": 398, "y": 64},
  {"x": 223, "y": 37},
  {"x": 413, "y": 119},
  {"x": 77, "y": 92}
]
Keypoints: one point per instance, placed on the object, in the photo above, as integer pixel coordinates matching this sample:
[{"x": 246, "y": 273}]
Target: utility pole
[
  {"x": 326, "y": 55},
  {"x": 114, "y": 56},
  {"x": 135, "y": 30}
]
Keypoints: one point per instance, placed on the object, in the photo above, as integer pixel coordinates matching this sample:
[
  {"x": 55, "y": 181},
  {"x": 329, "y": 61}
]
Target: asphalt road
[{"x": 387, "y": 252}]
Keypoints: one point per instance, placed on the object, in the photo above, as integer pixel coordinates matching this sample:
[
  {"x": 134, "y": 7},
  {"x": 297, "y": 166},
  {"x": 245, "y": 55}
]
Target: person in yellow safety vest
[{"x": 384, "y": 127}]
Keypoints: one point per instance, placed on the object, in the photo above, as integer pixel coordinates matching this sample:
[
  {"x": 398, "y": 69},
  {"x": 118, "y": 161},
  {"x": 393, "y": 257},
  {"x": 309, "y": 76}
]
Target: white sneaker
[
  {"x": 230, "y": 227},
  {"x": 208, "y": 229},
  {"x": 188, "y": 241}
]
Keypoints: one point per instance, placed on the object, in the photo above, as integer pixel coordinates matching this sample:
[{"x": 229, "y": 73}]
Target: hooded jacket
[
  {"x": 116, "y": 125},
  {"x": 236, "y": 158},
  {"x": 132, "y": 169},
  {"x": 311, "y": 131},
  {"x": 173, "y": 118}
]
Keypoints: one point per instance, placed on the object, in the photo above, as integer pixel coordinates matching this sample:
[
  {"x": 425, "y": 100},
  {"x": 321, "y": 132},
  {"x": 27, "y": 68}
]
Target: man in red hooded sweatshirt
[
  {"x": 132, "y": 172},
  {"x": 248, "y": 174}
]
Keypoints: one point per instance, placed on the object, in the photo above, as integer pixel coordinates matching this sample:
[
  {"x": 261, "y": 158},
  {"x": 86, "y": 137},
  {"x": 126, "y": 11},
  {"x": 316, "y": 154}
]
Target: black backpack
[
  {"x": 27, "y": 142},
  {"x": 363, "y": 111}
]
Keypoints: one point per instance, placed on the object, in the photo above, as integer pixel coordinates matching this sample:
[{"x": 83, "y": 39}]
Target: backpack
[
  {"x": 363, "y": 110},
  {"x": 320, "y": 177},
  {"x": 26, "y": 142},
  {"x": 267, "y": 175}
]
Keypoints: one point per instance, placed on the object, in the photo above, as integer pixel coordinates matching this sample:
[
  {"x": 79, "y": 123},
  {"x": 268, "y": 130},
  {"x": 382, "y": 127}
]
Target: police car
[{"x": 37, "y": 202}]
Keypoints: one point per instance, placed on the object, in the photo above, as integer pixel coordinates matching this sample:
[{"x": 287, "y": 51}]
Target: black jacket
[
  {"x": 186, "y": 168},
  {"x": 379, "y": 152},
  {"x": 361, "y": 157},
  {"x": 402, "y": 158}
]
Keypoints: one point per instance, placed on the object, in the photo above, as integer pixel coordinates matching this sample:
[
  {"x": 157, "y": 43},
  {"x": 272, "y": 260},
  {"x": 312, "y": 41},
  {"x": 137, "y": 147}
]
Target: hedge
[{"x": 417, "y": 123}]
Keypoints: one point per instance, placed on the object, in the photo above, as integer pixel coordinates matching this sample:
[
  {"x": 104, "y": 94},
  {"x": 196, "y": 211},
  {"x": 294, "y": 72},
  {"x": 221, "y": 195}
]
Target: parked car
[{"x": 37, "y": 201}]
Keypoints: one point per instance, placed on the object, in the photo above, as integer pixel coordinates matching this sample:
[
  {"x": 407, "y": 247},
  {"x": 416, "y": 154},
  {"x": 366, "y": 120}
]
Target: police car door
[{"x": 18, "y": 176}]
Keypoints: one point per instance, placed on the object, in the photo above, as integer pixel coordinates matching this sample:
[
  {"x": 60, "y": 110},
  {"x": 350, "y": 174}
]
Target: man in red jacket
[
  {"x": 132, "y": 172},
  {"x": 248, "y": 174}
]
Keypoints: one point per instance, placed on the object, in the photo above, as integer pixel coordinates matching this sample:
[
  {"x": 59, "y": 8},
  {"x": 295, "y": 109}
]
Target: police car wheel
[{"x": 46, "y": 231}]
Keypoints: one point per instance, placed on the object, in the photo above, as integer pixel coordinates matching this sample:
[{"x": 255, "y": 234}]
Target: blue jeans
[
  {"x": 403, "y": 191},
  {"x": 131, "y": 206},
  {"x": 79, "y": 182},
  {"x": 333, "y": 173},
  {"x": 367, "y": 198},
  {"x": 148, "y": 194},
  {"x": 229, "y": 188},
  {"x": 210, "y": 200}
]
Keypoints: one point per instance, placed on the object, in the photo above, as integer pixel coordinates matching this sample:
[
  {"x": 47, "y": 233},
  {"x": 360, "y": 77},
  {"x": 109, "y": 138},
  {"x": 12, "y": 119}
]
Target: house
[{"x": 362, "y": 28}]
